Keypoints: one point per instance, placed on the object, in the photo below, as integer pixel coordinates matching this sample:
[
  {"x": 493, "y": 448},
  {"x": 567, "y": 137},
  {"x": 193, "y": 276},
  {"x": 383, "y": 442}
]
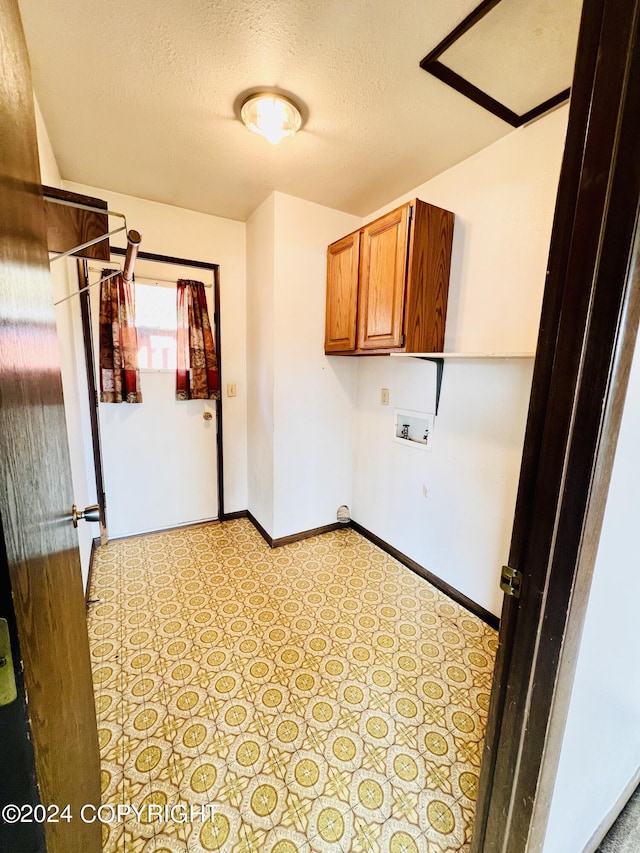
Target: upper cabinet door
[
  {"x": 342, "y": 294},
  {"x": 383, "y": 272}
]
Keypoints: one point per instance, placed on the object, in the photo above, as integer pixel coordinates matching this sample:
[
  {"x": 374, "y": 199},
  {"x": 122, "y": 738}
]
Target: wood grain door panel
[
  {"x": 383, "y": 271},
  {"x": 41, "y": 564},
  {"x": 342, "y": 294}
]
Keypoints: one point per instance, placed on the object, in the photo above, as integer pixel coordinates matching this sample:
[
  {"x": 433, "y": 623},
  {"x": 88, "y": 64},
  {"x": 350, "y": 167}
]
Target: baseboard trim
[
  {"x": 306, "y": 534},
  {"x": 186, "y": 526},
  {"x": 612, "y": 815},
  {"x": 229, "y": 516},
  {"x": 95, "y": 543},
  {"x": 260, "y": 529},
  {"x": 293, "y": 537},
  {"x": 489, "y": 618}
]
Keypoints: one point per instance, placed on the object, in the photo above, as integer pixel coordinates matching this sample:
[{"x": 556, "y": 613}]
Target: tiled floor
[{"x": 320, "y": 695}]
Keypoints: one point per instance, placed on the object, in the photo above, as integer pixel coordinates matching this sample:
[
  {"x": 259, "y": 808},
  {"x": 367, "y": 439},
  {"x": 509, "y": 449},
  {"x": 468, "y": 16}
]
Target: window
[{"x": 156, "y": 325}]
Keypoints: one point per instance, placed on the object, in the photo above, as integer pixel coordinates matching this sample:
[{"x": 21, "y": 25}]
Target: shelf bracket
[{"x": 439, "y": 363}]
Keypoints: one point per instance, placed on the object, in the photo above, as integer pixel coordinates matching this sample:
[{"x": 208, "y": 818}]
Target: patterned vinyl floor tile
[{"x": 317, "y": 698}]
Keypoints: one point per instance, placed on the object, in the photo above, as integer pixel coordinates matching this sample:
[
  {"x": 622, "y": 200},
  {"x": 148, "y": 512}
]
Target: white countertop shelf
[
  {"x": 447, "y": 355},
  {"x": 439, "y": 358}
]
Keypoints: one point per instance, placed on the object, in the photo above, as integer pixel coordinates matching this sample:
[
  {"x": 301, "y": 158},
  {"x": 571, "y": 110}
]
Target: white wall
[
  {"x": 313, "y": 394},
  {"x": 74, "y": 384},
  {"x": 460, "y": 529},
  {"x": 601, "y": 749},
  {"x": 300, "y": 410},
  {"x": 503, "y": 198},
  {"x": 173, "y": 231},
  {"x": 260, "y": 357}
]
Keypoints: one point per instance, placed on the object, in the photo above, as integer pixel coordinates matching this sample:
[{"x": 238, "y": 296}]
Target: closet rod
[
  {"x": 133, "y": 244},
  {"x": 148, "y": 277}
]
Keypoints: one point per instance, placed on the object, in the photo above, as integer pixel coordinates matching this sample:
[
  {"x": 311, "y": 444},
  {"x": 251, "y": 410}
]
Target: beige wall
[
  {"x": 300, "y": 410},
  {"x": 260, "y": 356},
  {"x": 313, "y": 394}
]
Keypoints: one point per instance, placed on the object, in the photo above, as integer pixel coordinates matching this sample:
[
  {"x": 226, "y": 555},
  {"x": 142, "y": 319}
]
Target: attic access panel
[{"x": 513, "y": 57}]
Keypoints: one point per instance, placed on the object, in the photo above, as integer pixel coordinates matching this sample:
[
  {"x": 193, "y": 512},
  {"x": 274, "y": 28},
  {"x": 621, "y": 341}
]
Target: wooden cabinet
[
  {"x": 383, "y": 272},
  {"x": 387, "y": 284},
  {"x": 342, "y": 294}
]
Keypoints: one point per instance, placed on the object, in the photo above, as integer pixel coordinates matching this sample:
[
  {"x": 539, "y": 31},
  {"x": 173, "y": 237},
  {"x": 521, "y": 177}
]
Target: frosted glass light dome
[{"x": 271, "y": 116}]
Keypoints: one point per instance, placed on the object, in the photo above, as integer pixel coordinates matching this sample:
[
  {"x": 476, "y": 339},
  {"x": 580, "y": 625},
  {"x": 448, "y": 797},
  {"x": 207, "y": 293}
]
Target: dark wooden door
[
  {"x": 587, "y": 333},
  {"x": 383, "y": 275},
  {"x": 342, "y": 294},
  {"x": 48, "y": 737}
]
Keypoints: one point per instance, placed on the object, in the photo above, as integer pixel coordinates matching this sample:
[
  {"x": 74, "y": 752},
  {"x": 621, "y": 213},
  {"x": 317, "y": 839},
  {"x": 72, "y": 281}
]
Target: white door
[{"x": 159, "y": 456}]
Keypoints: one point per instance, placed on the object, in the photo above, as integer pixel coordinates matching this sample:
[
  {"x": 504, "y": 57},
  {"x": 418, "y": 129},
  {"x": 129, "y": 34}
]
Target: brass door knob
[
  {"x": 89, "y": 513},
  {"x": 207, "y": 416}
]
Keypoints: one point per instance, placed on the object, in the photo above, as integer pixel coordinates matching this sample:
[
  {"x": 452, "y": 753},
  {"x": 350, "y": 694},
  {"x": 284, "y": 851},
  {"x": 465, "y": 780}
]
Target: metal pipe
[{"x": 133, "y": 244}]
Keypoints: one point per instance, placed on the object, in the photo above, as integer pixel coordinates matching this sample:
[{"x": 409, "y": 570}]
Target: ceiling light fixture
[{"x": 271, "y": 116}]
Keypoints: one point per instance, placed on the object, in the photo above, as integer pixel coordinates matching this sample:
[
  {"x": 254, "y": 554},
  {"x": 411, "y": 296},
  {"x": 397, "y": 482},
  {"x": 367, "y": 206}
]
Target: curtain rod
[{"x": 148, "y": 277}]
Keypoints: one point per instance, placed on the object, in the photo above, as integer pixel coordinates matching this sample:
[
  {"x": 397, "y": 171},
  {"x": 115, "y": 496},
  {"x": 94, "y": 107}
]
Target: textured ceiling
[
  {"x": 140, "y": 97},
  {"x": 534, "y": 62}
]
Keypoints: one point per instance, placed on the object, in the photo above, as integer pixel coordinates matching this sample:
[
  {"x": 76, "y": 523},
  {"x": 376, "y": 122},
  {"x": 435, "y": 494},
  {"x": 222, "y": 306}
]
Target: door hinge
[
  {"x": 8, "y": 691},
  {"x": 401, "y": 340},
  {"x": 510, "y": 581}
]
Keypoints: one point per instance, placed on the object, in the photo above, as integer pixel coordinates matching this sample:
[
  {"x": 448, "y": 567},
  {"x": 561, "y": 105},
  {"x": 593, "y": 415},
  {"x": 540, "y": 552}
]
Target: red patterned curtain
[
  {"x": 119, "y": 374},
  {"x": 197, "y": 376}
]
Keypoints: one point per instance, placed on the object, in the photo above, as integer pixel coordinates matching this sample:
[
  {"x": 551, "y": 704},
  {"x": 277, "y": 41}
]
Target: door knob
[
  {"x": 207, "y": 416},
  {"x": 89, "y": 513}
]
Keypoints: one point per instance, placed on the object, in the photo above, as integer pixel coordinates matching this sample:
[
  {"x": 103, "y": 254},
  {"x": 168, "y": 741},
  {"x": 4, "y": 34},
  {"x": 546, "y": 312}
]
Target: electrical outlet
[
  {"x": 384, "y": 397},
  {"x": 231, "y": 389}
]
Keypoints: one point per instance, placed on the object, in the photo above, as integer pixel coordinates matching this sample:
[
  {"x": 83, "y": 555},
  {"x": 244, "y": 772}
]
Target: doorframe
[
  {"x": 87, "y": 333},
  {"x": 588, "y": 329},
  {"x": 90, "y": 369}
]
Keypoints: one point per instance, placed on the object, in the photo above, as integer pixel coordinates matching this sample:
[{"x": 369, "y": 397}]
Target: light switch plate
[
  {"x": 231, "y": 389},
  {"x": 384, "y": 397}
]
